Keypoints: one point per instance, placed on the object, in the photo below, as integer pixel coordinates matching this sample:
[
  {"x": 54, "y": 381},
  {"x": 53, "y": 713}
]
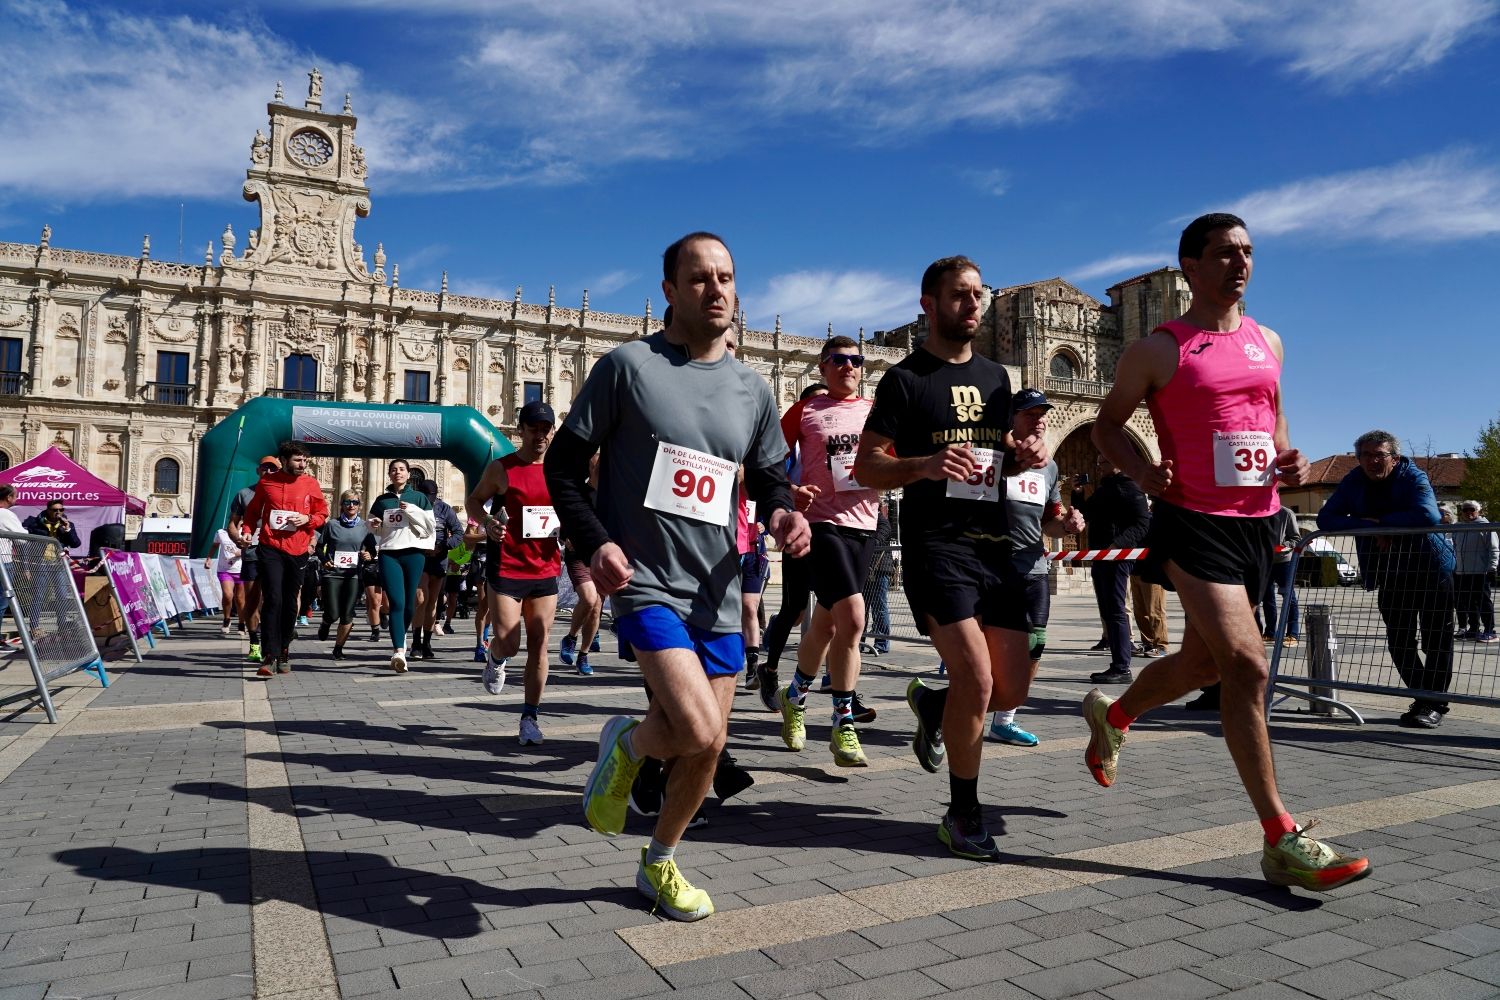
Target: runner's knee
[{"x": 1037, "y": 642}]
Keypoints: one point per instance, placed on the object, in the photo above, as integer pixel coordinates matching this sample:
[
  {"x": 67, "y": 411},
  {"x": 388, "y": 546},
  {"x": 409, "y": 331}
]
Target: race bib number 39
[
  {"x": 983, "y": 483},
  {"x": 690, "y": 483},
  {"x": 538, "y": 522},
  {"x": 1243, "y": 458},
  {"x": 1028, "y": 487}
]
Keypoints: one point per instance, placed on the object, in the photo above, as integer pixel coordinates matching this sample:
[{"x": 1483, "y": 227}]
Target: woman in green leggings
[{"x": 401, "y": 519}]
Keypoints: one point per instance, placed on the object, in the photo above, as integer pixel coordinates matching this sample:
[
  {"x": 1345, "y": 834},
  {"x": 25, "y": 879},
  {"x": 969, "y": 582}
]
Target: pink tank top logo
[{"x": 1216, "y": 418}]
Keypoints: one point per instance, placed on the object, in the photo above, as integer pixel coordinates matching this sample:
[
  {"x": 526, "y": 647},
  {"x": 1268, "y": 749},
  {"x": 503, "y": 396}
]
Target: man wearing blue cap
[{"x": 1033, "y": 502}]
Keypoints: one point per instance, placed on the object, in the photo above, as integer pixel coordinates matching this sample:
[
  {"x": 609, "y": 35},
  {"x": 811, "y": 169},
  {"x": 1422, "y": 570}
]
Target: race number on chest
[
  {"x": 690, "y": 483},
  {"x": 1028, "y": 487},
  {"x": 1243, "y": 458},
  {"x": 279, "y": 518},
  {"x": 538, "y": 522},
  {"x": 395, "y": 518},
  {"x": 983, "y": 483},
  {"x": 345, "y": 560}
]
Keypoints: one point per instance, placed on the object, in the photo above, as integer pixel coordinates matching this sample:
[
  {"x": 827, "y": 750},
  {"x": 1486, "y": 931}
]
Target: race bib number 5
[
  {"x": 983, "y": 483},
  {"x": 538, "y": 522},
  {"x": 1028, "y": 487},
  {"x": 278, "y": 519},
  {"x": 1243, "y": 458},
  {"x": 690, "y": 483}
]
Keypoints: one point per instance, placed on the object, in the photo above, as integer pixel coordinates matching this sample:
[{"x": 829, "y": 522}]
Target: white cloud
[
  {"x": 1120, "y": 264},
  {"x": 807, "y": 301},
  {"x": 1447, "y": 196},
  {"x": 611, "y": 282},
  {"x": 994, "y": 182},
  {"x": 1373, "y": 39}
]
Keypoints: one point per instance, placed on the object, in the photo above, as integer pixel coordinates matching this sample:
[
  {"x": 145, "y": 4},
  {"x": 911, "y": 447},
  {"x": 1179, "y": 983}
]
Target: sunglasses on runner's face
[
  {"x": 351, "y": 503},
  {"x": 852, "y": 360}
]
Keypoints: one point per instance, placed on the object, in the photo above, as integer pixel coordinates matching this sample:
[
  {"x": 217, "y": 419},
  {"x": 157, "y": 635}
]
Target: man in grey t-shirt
[{"x": 672, "y": 417}]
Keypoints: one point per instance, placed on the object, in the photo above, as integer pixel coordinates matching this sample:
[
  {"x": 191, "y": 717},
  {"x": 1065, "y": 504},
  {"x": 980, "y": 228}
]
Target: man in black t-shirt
[{"x": 940, "y": 429}]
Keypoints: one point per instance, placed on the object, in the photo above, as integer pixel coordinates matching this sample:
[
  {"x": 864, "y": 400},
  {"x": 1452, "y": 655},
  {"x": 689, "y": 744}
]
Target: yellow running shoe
[
  {"x": 1103, "y": 752},
  {"x": 1297, "y": 859},
  {"x": 846, "y": 749},
  {"x": 608, "y": 789},
  {"x": 793, "y": 732},
  {"x": 664, "y": 885}
]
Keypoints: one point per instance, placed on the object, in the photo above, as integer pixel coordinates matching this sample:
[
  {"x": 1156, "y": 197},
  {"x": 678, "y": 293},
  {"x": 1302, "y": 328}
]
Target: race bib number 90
[
  {"x": 1029, "y": 487},
  {"x": 1243, "y": 458},
  {"x": 691, "y": 484},
  {"x": 983, "y": 483},
  {"x": 538, "y": 522}
]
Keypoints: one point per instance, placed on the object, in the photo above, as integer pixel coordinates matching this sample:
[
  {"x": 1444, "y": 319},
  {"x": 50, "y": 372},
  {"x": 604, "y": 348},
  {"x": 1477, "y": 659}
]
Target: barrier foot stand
[
  {"x": 163, "y": 626},
  {"x": 97, "y": 669},
  {"x": 1287, "y": 692}
]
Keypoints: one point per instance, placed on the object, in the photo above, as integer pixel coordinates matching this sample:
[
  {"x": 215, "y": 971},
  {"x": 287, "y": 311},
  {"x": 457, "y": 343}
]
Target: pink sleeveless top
[{"x": 1215, "y": 419}]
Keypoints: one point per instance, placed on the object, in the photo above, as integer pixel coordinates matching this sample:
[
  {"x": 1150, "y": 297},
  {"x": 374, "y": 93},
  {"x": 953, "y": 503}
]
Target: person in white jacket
[{"x": 402, "y": 521}]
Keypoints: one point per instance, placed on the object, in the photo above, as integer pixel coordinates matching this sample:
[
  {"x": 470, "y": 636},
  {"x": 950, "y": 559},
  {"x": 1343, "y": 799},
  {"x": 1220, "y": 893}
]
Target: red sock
[
  {"x": 1277, "y": 827},
  {"x": 1116, "y": 717}
]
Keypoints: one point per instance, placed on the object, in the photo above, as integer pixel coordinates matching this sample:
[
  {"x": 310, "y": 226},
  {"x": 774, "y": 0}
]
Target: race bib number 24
[{"x": 690, "y": 483}]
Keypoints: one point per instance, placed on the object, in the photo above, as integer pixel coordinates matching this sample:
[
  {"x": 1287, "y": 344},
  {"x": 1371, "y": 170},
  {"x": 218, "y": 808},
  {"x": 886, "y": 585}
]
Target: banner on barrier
[
  {"x": 132, "y": 589},
  {"x": 210, "y": 594},
  {"x": 182, "y": 591},
  {"x": 178, "y": 566},
  {"x": 394, "y": 428},
  {"x": 160, "y": 590}
]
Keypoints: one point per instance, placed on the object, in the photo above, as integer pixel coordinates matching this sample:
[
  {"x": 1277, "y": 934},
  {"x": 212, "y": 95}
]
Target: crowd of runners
[{"x": 672, "y": 463}]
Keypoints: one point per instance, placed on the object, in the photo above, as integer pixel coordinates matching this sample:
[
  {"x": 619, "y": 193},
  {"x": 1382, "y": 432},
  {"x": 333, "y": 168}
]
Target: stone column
[{"x": 41, "y": 321}]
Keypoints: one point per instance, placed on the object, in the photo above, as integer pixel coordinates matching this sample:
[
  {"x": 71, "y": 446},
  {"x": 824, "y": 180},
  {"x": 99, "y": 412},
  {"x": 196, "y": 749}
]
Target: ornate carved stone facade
[{"x": 126, "y": 361}]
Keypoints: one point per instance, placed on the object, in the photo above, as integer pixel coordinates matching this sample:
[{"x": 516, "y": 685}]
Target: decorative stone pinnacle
[
  {"x": 445, "y": 283},
  {"x": 648, "y": 309},
  {"x": 380, "y": 255},
  {"x": 46, "y": 236},
  {"x": 585, "y": 300},
  {"x": 551, "y": 296},
  {"x": 146, "y": 247},
  {"x": 348, "y": 105},
  {"x": 518, "y": 293},
  {"x": 208, "y": 254},
  {"x": 778, "y": 324},
  {"x": 227, "y": 237},
  {"x": 280, "y": 93},
  {"x": 395, "y": 275},
  {"x": 830, "y": 329}
]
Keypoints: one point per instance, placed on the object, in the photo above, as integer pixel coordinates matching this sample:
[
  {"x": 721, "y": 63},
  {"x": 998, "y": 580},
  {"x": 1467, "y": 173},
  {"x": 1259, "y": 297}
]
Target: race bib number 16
[
  {"x": 1243, "y": 458},
  {"x": 983, "y": 483},
  {"x": 690, "y": 483},
  {"x": 1028, "y": 487}
]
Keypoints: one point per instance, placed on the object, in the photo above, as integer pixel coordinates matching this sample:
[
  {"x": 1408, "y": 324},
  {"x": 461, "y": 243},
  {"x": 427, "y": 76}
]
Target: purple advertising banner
[{"x": 128, "y": 578}]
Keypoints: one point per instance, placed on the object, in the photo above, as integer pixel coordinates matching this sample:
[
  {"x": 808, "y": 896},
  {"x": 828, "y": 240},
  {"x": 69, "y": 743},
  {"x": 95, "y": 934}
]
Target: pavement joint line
[
  {"x": 480, "y": 696},
  {"x": 289, "y": 942},
  {"x": 21, "y": 747},
  {"x": 669, "y": 943}
]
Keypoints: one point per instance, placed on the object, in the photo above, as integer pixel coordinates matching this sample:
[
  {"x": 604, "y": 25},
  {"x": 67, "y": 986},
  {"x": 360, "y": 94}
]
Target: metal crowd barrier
[
  {"x": 1396, "y": 638},
  {"x": 36, "y": 586}
]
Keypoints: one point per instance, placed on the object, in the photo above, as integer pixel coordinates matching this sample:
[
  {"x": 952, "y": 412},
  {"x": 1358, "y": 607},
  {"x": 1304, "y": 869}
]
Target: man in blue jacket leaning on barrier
[{"x": 1413, "y": 573}]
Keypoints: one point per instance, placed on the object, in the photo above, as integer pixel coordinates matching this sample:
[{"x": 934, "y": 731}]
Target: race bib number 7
[
  {"x": 538, "y": 522},
  {"x": 983, "y": 483},
  {"x": 690, "y": 483},
  {"x": 1243, "y": 458}
]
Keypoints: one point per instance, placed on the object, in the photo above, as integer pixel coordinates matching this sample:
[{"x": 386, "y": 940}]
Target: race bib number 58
[
  {"x": 1243, "y": 458},
  {"x": 983, "y": 483},
  {"x": 690, "y": 483}
]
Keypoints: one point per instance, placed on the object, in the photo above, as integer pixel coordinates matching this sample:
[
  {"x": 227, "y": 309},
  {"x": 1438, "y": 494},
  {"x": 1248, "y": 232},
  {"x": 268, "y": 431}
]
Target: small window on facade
[
  {"x": 4, "y": 461},
  {"x": 300, "y": 375},
  {"x": 418, "y": 387},
  {"x": 167, "y": 478},
  {"x": 1062, "y": 367},
  {"x": 531, "y": 393}
]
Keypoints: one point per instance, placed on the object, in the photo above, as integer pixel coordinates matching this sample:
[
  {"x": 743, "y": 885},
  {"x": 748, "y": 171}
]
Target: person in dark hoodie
[
  {"x": 1118, "y": 517},
  {"x": 1413, "y": 574}
]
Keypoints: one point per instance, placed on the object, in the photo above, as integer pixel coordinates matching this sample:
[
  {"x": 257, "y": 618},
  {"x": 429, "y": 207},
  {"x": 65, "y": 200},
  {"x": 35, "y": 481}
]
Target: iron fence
[{"x": 37, "y": 589}]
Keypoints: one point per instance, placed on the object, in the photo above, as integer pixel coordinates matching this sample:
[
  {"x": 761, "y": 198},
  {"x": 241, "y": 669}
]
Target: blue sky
[{"x": 839, "y": 146}]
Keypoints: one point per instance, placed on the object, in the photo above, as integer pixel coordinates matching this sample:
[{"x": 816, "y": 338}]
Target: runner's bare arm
[
  {"x": 567, "y": 468},
  {"x": 876, "y": 466},
  {"x": 1145, "y": 366},
  {"x": 769, "y": 489},
  {"x": 493, "y": 483}
]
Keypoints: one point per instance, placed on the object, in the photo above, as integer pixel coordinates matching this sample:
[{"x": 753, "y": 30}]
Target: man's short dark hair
[
  {"x": 6, "y": 492},
  {"x": 812, "y": 390},
  {"x": 834, "y": 343},
  {"x": 55, "y": 500},
  {"x": 289, "y": 448},
  {"x": 1195, "y": 237},
  {"x": 669, "y": 258},
  {"x": 933, "y": 276}
]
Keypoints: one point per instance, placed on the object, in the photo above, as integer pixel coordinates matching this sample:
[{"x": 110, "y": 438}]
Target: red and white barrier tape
[{"x": 1111, "y": 555}]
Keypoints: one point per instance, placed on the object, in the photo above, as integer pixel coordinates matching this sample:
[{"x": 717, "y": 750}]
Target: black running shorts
[
  {"x": 521, "y": 590},
  {"x": 1210, "y": 547},
  {"x": 1038, "y": 599},
  {"x": 953, "y": 580},
  {"x": 840, "y": 559}
]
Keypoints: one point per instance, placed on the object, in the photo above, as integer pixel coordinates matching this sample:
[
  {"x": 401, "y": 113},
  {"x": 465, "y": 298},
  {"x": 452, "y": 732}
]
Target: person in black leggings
[{"x": 344, "y": 544}]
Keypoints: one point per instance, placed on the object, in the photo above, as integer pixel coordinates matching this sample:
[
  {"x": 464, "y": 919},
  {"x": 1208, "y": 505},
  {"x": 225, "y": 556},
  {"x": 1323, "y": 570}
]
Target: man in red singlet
[{"x": 1211, "y": 379}]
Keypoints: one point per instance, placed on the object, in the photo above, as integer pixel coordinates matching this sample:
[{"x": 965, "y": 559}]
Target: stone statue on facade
[
  {"x": 314, "y": 86},
  {"x": 260, "y": 149}
]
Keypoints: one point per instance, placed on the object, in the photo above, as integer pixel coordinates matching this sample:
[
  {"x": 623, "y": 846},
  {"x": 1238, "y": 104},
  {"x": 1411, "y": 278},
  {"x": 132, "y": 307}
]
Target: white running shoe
[
  {"x": 494, "y": 674},
  {"x": 398, "y": 661},
  {"x": 531, "y": 733}
]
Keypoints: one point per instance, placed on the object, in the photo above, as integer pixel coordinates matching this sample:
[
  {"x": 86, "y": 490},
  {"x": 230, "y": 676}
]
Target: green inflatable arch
[{"x": 228, "y": 453}]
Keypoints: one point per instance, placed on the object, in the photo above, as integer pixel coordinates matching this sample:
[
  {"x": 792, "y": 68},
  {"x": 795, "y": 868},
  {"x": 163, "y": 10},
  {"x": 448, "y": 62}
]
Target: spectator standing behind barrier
[
  {"x": 878, "y": 590},
  {"x": 53, "y": 523},
  {"x": 1280, "y": 581},
  {"x": 8, "y": 522},
  {"x": 1413, "y": 573},
  {"x": 1476, "y": 554},
  {"x": 1118, "y": 518}
]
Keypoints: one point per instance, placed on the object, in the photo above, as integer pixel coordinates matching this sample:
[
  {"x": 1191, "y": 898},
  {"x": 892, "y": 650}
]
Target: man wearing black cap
[
  {"x": 522, "y": 560},
  {"x": 250, "y": 561}
]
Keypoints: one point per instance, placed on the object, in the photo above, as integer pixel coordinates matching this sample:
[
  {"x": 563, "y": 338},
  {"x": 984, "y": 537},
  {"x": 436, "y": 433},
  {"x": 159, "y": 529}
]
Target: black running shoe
[
  {"x": 769, "y": 685},
  {"x": 927, "y": 746},
  {"x": 646, "y": 793},
  {"x": 862, "y": 712},
  {"x": 967, "y": 837},
  {"x": 730, "y": 778}
]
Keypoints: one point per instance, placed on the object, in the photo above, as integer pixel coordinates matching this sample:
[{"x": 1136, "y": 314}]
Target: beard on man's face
[{"x": 955, "y": 331}]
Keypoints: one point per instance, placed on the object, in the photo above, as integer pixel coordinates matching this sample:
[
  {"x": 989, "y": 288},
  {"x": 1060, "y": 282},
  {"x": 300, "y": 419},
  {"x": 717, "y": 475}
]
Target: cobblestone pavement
[{"x": 193, "y": 834}]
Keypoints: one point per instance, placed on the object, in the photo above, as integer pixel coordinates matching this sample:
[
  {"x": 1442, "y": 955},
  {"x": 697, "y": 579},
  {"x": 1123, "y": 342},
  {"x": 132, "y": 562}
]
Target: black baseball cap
[
  {"x": 536, "y": 412},
  {"x": 1027, "y": 398}
]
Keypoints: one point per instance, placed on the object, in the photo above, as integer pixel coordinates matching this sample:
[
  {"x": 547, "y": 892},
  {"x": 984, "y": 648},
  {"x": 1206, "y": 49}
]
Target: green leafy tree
[{"x": 1482, "y": 480}]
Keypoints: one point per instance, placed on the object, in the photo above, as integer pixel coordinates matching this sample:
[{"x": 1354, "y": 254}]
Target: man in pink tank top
[{"x": 1211, "y": 380}]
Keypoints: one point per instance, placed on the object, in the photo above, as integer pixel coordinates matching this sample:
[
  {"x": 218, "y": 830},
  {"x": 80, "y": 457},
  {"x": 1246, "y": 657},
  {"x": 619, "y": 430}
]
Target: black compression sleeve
[
  {"x": 566, "y": 466},
  {"x": 770, "y": 490}
]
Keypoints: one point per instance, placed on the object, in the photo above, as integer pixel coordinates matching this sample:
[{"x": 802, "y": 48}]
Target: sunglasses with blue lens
[{"x": 852, "y": 360}]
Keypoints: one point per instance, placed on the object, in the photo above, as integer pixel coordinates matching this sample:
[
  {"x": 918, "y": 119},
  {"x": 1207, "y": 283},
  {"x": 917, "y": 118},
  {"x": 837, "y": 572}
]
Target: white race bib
[
  {"x": 691, "y": 483},
  {"x": 983, "y": 483},
  {"x": 1028, "y": 487},
  {"x": 842, "y": 467},
  {"x": 1244, "y": 458},
  {"x": 278, "y": 519},
  {"x": 345, "y": 560},
  {"x": 538, "y": 522},
  {"x": 395, "y": 518},
  {"x": 749, "y": 511}
]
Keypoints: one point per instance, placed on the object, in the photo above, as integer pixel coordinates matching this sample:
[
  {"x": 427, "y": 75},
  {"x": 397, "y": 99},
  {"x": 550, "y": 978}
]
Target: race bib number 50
[
  {"x": 690, "y": 483},
  {"x": 1243, "y": 458},
  {"x": 983, "y": 483}
]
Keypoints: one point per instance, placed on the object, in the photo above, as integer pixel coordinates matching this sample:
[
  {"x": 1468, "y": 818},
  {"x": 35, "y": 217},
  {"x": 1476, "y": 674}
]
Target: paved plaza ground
[{"x": 193, "y": 833}]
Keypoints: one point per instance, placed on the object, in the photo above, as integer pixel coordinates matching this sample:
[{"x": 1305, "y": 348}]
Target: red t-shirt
[{"x": 530, "y": 550}]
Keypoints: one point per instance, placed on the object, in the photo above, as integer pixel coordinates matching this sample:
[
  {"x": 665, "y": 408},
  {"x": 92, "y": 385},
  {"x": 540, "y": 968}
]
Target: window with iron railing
[
  {"x": 167, "y": 477},
  {"x": 417, "y": 387},
  {"x": 13, "y": 381},
  {"x": 299, "y": 378}
]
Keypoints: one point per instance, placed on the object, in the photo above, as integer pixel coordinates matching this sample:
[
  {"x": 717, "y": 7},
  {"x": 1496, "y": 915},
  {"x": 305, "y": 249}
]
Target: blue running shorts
[{"x": 655, "y": 628}]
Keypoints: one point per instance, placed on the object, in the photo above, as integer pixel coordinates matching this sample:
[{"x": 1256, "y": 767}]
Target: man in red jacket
[{"x": 288, "y": 508}]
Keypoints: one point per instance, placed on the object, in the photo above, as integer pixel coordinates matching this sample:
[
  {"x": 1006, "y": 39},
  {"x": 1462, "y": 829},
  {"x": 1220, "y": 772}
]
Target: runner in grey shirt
[
  {"x": 1033, "y": 503},
  {"x": 673, "y": 417}
]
